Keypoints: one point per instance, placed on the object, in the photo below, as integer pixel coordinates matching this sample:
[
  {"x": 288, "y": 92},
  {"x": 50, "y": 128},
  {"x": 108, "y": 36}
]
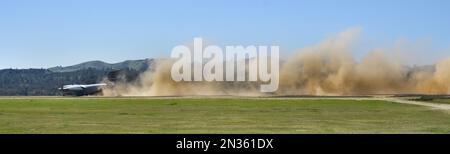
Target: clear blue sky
[{"x": 45, "y": 33}]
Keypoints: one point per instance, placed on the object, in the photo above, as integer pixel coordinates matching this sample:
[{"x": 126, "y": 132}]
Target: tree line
[{"x": 43, "y": 82}]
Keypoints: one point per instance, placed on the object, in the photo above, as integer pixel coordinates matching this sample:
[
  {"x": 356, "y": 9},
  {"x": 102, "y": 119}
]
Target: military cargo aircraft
[{"x": 81, "y": 90}]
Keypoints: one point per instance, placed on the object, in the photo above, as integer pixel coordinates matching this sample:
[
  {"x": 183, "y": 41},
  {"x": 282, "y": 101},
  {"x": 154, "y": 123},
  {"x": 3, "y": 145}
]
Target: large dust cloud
[{"x": 328, "y": 68}]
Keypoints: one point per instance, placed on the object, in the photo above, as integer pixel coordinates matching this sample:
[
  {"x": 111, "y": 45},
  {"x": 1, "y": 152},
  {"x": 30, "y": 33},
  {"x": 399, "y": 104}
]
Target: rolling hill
[
  {"x": 137, "y": 65},
  {"x": 45, "y": 82}
]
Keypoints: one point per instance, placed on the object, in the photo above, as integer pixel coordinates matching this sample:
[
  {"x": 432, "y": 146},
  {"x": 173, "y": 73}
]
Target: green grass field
[{"x": 211, "y": 115}]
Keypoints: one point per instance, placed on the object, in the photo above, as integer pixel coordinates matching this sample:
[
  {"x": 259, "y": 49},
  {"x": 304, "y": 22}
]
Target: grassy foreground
[{"x": 217, "y": 116}]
